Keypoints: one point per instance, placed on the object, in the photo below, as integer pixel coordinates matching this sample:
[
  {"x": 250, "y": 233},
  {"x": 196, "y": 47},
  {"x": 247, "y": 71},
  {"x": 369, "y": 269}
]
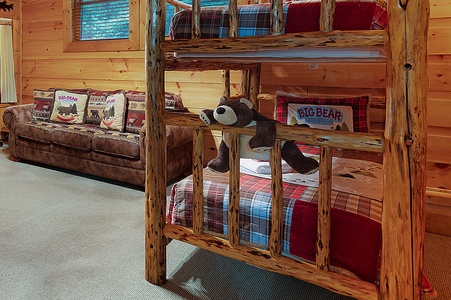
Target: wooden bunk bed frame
[{"x": 403, "y": 146}]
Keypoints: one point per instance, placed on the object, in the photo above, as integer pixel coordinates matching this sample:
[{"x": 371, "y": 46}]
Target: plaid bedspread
[
  {"x": 356, "y": 233},
  {"x": 254, "y": 20}
]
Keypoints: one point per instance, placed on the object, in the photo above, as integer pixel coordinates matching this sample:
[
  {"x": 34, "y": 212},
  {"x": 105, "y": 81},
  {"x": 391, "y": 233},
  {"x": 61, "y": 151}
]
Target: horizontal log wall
[{"x": 44, "y": 65}]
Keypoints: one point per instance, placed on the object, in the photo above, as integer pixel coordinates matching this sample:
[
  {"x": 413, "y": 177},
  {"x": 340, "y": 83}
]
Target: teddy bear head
[{"x": 233, "y": 112}]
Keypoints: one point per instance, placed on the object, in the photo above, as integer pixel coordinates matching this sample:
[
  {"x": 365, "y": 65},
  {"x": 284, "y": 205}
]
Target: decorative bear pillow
[
  {"x": 96, "y": 105},
  {"x": 114, "y": 112},
  {"x": 69, "y": 107},
  {"x": 329, "y": 117},
  {"x": 332, "y": 112}
]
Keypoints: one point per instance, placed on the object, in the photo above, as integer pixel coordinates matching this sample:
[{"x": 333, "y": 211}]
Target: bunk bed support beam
[
  {"x": 403, "y": 223},
  {"x": 155, "y": 185}
]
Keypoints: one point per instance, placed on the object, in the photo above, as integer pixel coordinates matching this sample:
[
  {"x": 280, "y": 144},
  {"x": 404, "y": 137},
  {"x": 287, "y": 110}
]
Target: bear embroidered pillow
[
  {"x": 69, "y": 107},
  {"x": 114, "y": 112}
]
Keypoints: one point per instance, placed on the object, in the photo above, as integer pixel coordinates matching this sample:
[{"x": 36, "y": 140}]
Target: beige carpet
[{"x": 65, "y": 236}]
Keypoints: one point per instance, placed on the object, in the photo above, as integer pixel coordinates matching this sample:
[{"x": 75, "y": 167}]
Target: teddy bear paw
[
  {"x": 203, "y": 116},
  {"x": 261, "y": 149}
]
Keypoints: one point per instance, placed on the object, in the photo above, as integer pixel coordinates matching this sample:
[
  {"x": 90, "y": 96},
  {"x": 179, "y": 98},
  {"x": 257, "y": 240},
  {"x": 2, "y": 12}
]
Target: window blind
[{"x": 100, "y": 19}]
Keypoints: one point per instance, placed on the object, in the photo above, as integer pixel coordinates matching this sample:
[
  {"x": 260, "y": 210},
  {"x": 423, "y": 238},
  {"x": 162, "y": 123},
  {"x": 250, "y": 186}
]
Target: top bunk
[{"x": 288, "y": 31}]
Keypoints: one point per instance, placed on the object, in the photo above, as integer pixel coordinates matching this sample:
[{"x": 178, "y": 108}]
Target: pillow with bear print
[{"x": 69, "y": 107}]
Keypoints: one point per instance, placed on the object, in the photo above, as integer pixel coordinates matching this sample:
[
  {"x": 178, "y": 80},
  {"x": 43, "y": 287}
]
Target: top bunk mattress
[{"x": 301, "y": 16}]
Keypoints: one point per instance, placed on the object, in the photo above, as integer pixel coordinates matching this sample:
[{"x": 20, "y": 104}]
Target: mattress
[
  {"x": 355, "y": 232},
  {"x": 302, "y": 16}
]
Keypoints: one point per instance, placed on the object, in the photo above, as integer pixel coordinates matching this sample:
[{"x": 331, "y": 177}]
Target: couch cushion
[
  {"x": 36, "y": 130},
  {"x": 74, "y": 136},
  {"x": 117, "y": 143}
]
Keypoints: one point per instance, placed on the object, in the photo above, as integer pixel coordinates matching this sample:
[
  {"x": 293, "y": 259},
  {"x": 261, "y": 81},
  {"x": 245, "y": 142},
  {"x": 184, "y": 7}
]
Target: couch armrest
[
  {"x": 17, "y": 114},
  {"x": 175, "y": 136}
]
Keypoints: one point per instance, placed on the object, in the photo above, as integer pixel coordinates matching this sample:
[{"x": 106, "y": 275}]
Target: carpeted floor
[{"x": 64, "y": 236}]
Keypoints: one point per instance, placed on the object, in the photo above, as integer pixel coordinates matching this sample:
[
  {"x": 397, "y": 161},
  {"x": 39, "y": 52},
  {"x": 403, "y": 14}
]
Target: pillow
[
  {"x": 95, "y": 107},
  {"x": 136, "y": 111},
  {"x": 136, "y": 108},
  {"x": 69, "y": 107},
  {"x": 114, "y": 112},
  {"x": 359, "y": 105},
  {"x": 329, "y": 117},
  {"x": 173, "y": 102},
  {"x": 43, "y": 101}
]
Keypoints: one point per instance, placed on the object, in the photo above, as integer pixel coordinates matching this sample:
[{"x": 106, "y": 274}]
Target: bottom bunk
[{"x": 356, "y": 234}]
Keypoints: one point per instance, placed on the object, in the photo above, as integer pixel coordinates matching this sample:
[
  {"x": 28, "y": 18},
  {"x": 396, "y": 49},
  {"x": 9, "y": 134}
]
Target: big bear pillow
[
  {"x": 330, "y": 106},
  {"x": 69, "y": 107}
]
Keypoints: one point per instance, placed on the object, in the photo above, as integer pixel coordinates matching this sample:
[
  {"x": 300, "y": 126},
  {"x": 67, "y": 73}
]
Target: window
[{"x": 101, "y": 25}]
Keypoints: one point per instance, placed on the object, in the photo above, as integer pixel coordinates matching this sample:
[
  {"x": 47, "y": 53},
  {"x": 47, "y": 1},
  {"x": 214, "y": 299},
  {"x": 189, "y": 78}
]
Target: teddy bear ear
[
  {"x": 247, "y": 102},
  {"x": 223, "y": 99}
]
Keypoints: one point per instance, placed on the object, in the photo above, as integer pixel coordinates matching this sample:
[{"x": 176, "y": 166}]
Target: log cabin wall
[
  {"x": 45, "y": 65},
  {"x": 14, "y": 13}
]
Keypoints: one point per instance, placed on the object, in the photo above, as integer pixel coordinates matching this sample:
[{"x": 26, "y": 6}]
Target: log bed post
[
  {"x": 155, "y": 185},
  {"x": 403, "y": 224}
]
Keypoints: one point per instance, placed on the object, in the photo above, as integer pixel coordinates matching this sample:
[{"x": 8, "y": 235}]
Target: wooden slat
[
  {"x": 198, "y": 195},
  {"x": 276, "y": 17},
  {"x": 195, "y": 19},
  {"x": 275, "y": 235},
  {"x": 338, "y": 283},
  {"x": 245, "y": 84},
  {"x": 324, "y": 209},
  {"x": 254, "y": 86},
  {"x": 327, "y": 13},
  {"x": 233, "y": 18},
  {"x": 226, "y": 83},
  {"x": 332, "y": 39},
  {"x": 234, "y": 189},
  {"x": 334, "y": 139}
]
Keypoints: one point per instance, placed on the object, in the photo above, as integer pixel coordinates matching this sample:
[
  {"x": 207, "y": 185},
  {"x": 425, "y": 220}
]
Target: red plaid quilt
[
  {"x": 356, "y": 233},
  {"x": 301, "y": 16}
]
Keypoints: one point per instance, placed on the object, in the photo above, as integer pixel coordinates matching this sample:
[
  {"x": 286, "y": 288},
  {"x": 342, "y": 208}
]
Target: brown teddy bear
[{"x": 240, "y": 113}]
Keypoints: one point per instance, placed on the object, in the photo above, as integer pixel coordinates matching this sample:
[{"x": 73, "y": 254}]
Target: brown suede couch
[{"x": 92, "y": 150}]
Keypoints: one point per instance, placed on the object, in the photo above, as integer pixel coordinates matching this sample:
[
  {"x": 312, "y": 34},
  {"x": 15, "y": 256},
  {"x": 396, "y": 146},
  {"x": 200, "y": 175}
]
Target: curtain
[{"x": 7, "y": 81}]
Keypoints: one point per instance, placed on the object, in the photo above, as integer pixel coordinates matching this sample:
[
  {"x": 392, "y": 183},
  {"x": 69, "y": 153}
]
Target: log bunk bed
[{"x": 402, "y": 147}]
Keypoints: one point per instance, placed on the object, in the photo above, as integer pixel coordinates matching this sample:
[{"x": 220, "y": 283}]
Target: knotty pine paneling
[
  {"x": 440, "y": 9},
  {"x": 350, "y": 75},
  {"x": 439, "y": 33}
]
